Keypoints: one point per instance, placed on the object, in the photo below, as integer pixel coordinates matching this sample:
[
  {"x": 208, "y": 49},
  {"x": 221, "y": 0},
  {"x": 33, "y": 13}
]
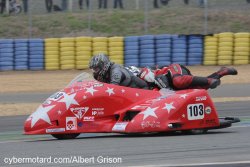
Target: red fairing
[{"x": 91, "y": 106}]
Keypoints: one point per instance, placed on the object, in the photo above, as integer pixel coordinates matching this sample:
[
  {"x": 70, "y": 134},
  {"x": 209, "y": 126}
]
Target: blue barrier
[
  {"x": 36, "y": 54},
  {"x": 131, "y": 51},
  {"x": 6, "y": 54}
]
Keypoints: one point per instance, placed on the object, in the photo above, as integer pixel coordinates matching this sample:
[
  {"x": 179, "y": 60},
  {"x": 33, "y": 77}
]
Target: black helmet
[{"x": 100, "y": 64}]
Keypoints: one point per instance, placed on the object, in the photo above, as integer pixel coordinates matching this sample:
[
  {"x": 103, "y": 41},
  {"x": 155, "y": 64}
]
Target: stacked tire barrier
[
  {"x": 179, "y": 49},
  {"x": 195, "y": 50},
  {"x": 241, "y": 48},
  {"x": 116, "y": 47},
  {"x": 6, "y": 54},
  {"x": 83, "y": 52},
  {"x": 131, "y": 51},
  {"x": 21, "y": 54},
  {"x": 163, "y": 49},
  {"x": 36, "y": 54},
  {"x": 100, "y": 45},
  {"x": 147, "y": 51},
  {"x": 225, "y": 48},
  {"x": 67, "y": 53},
  {"x": 52, "y": 54},
  {"x": 210, "y": 50}
]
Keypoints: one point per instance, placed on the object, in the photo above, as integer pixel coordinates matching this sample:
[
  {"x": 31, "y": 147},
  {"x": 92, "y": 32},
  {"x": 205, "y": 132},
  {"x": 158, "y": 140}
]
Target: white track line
[{"x": 197, "y": 164}]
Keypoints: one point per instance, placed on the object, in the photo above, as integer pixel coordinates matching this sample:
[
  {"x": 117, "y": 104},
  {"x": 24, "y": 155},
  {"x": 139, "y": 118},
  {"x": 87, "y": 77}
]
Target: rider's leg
[
  {"x": 189, "y": 81},
  {"x": 222, "y": 72}
]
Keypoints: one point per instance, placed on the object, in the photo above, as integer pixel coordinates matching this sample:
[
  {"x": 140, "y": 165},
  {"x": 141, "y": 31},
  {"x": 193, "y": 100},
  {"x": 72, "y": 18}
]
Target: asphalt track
[{"x": 218, "y": 148}]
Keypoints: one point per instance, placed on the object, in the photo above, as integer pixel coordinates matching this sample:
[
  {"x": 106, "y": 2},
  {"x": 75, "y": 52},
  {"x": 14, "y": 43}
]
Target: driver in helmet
[
  {"x": 106, "y": 71},
  {"x": 177, "y": 77}
]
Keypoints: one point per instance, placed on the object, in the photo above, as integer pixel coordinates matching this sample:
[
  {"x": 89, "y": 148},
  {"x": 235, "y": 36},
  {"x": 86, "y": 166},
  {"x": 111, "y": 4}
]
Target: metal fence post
[
  {"x": 205, "y": 16},
  {"x": 89, "y": 15},
  {"x": 30, "y": 18},
  {"x": 146, "y": 16}
]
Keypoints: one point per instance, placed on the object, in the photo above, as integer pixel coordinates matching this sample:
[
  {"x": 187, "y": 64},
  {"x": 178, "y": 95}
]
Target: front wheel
[{"x": 65, "y": 136}]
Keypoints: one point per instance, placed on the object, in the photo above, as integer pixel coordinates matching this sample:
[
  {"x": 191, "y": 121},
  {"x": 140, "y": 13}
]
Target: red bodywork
[{"x": 91, "y": 106}]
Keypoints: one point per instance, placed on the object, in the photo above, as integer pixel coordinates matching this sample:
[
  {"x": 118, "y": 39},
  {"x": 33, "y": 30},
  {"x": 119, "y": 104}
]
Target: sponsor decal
[
  {"x": 175, "y": 68},
  {"x": 79, "y": 112},
  {"x": 211, "y": 122},
  {"x": 80, "y": 124},
  {"x": 201, "y": 98},
  {"x": 56, "y": 96},
  {"x": 195, "y": 111},
  {"x": 71, "y": 123},
  {"x": 150, "y": 124},
  {"x": 120, "y": 126},
  {"x": 97, "y": 85},
  {"x": 91, "y": 118},
  {"x": 141, "y": 106},
  {"x": 97, "y": 111},
  {"x": 55, "y": 130},
  {"x": 208, "y": 110}
]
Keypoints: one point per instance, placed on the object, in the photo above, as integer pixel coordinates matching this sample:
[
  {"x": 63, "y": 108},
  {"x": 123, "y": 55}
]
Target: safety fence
[{"x": 148, "y": 50}]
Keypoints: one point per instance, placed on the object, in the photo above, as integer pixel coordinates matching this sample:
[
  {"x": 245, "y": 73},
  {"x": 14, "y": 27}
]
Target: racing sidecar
[{"x": 95, "y": 107}]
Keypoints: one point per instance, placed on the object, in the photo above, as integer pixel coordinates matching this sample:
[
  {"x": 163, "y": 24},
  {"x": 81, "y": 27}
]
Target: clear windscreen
[{"x": 80, "y": 78}]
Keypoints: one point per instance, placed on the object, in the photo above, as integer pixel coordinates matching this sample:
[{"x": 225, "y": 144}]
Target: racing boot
[
  {"x": 222, "y": 72},
  {"x": 204, "y": 83},
  {"x": 213, "y": 83}
]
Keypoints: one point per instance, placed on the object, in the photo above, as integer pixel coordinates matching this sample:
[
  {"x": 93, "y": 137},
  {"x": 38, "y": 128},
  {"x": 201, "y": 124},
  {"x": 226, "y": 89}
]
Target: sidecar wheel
[
  {"x": 195, "y": 131},
  {"x": 65, "y": 136}
]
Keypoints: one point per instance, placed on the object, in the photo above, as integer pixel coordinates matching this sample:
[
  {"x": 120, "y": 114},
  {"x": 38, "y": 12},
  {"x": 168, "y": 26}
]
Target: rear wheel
[
  {"x": 65, "y": 136},
  {"x": 195, "y": 131}
]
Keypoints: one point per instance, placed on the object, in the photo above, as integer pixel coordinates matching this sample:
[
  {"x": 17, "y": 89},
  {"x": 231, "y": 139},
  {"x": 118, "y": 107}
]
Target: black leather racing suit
[{"x": 118, "y": 75}]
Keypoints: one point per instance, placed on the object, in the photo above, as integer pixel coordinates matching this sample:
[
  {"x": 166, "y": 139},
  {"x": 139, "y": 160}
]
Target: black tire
[
  {"x": 195, "y": 131},
  {"x": 65, "y": 136}
]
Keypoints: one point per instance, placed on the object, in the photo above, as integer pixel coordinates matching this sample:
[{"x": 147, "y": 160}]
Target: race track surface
[{"x": 218, "y": 148}]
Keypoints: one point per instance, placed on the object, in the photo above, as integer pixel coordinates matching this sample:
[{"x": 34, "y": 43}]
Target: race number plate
[{"x": 195, "y": 111}]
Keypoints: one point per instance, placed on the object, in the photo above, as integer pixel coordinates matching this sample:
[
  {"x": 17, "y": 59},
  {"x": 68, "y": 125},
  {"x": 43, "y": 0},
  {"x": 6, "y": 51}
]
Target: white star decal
[
  {"x": 149, "y": 112},
  {"x": 169, "y": 107},
  {"x": 68, "y": 100},
  {"x": 137, "y": 94},
  {"x": 84, "y": 97},
  {"x": 183, "y": 96},
  {"x": 59, "y": 112},
  {"x": 110, "y": 91},
  {"x": 183, "y": 115},
  {"x": 91, "y": 90},
  {"x": 123, "y": 91},
  {"x": 41, "y": 113}
]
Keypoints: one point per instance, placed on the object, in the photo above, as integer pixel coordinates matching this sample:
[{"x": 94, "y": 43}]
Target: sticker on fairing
[
  {"x": 121, "y": 126},
  {"x": 195, "y": 111}
]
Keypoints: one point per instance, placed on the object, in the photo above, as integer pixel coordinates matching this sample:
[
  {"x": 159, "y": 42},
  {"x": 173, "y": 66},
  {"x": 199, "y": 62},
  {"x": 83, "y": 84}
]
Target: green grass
[{"x": 173, "y": 20}]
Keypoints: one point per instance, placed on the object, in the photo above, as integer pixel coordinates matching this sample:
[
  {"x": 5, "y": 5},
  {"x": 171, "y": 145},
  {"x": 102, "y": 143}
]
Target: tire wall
[{"x": 148, "y": 50}]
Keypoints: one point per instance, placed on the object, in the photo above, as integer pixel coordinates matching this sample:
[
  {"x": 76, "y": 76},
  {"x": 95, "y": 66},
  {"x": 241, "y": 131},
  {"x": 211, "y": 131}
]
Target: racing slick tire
[
  {"x": 65, "y": 136},
  {"x": 195, "y": 131}
]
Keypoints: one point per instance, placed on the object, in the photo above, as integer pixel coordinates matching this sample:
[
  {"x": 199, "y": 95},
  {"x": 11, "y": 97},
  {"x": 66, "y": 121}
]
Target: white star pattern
[
  {"x": 183, "y": 115},
  {"x": 110, "y": 91},
  {"x": 123, "y": 91},
  {"x": 149, "y": 112},
  {"x": 68, "y": 100},
  {"x": 137, "y": 94},
  {"x": 183, "y": 96},
  {"x": 91, "y": 90},
  {"x": 41, "y": 113},
  {"x": 84, "y": 97},
  {"x": 169, "y": 106},
  {"x": 59, "y": 112}
]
